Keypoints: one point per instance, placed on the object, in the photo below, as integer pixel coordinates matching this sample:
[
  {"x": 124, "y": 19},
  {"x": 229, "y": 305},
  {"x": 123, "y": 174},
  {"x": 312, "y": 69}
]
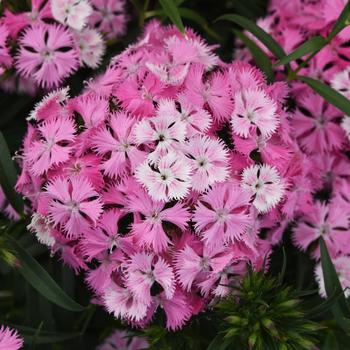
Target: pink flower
[
  {"x": 42, "y": 228},
  {"x": 209, "y": 160},
  {"x": 53, "y": 147},
  {"x": 253, "y": 110},
  {"x": 221, "y": 214},
  {"x": 9, "y": 339},
  {"x": 121, "y": 339},
  {"x": 51, "y": 106},
  {"x": 149, "y": 231},
  {"x": 73, "y": 13},
  {"x": 315, "y": 125},
  {"x": 118, "y": 146},
  {"x": 178, "y": 309},
  {"x": 5, "y": 58},
  {"x": 215, "y": 92},
  {"x": 109, "y": 17},
  {"x": 168, "y": 179},
  {"x": 105, "y": 238},
  {"x": 143, "y": 270},
  {"x": 138, "y": 94},
  {"x": 341, "y": 82},
  {"x": 328, "y": 221},
  {"x": 121, "y": 302},
  {"x": 91, "y": 46},
  {"x": 47, "y": 54},
  {"x": 197, "y": 119},
  {"x": 345, "y": 124},
  {"x": 194, "y": 267},
  {"x": 74, "y": 204},
  {"x": 264, "y": 185}
]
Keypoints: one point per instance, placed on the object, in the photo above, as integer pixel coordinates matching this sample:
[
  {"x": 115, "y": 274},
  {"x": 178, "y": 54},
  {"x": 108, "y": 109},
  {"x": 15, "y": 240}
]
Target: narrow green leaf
[
  {"x": 259, "y": 33},
  {"x": 329, "y": 94},
  {"x": 260, "y": 57},
  {"x": 45, "y": 337},
  {"x": 40, "y": 280},
  {"x": 314, "y": 44},
  {"x": 197, "y": 18},
  {"x": 341, "y": 23},
  {"x": 284, "y": 266},
  {"x": 8, "y": 176},
  {"x": 172, "y": 12},
  {"x": 216, "y": 343},
  {"x": 340, "y": 308},
  {"x": 330, "y": 342}
]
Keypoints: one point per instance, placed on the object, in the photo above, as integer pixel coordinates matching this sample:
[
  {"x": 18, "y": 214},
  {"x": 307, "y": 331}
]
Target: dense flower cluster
[
  {"x": 161, "y": 179},
  {"x": 9, "y": 339},
  {"x": 322, "y": 131},
  {"x": 43, "y": 46}
]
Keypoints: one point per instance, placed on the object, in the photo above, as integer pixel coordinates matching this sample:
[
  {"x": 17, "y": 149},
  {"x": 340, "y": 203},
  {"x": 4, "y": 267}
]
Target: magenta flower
[
  {"x": 118, "y": 146},
  {"x": 109, "y": 17},
  {"x": 315, "y": 125},
  {"x": 121, "y": 339},
  {"x": 5, "y": 58},
  {"x": 328, "y": 221},
  {"x": 47, "y": 54},
  {"x": 54, "y": 145},
  {"x": 254, "y": 110},
  {"x": 149, "y": 231},
  {"x": 74, "y": 204},
  {"x": 121, "y": 302},
  {"x": 215, "y": 92},
  {"x": 143, "y": 270},
  {"x": 221, "y": 214},
  {"x": 9, "y": 339}
]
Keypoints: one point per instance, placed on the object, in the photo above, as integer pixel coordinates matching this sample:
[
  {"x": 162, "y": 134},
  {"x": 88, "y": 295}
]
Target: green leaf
[
  {"x": 40, "y": 280},
  {"x": 8, "y": 176},
  {"x": 260, "y": 57},
  {"x": 259, "y": 33},
  {"x": 314, "y": 44},
  {"x": 216, "y": 343},
  {"x": 172, "y": 12},
  {"x": 329, "y": 94},
  {"x": 194, "y": 16},
  {"x": 44, "y": 337},
  {"x": 340, "y": 308},
  {"x": 330, "y": 342},
  {"x": 341, "y": 23}
]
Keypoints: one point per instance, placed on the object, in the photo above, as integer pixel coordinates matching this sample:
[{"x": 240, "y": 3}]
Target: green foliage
[
  {"x": 265, "y": 315},
  {"x": 8, "y": 176},
  {"x": 171, "y": 10},
  {"x": 32, "y": 271}
]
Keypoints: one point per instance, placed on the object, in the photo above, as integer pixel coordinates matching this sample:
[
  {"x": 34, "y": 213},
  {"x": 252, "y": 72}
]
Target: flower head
[
  {"x": 73, "y": 13},
  {"x": 9, "y": 339},
  {"x": 47, "y": 54},
  {"x": 264, "y": 185}
]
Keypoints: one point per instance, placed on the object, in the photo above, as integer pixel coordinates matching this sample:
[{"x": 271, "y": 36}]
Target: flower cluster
[
  {"x": 9, "y": 339},
  {"x": 322, "y": 132},
  {"x": 41, "y": 47},
  {"x": 158, "y": 180}
]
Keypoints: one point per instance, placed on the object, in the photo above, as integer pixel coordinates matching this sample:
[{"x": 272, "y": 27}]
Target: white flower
[
  {"x": 91, "y": 46},
  {"x": 168, "y": 179},
  {"x": 265, "y": 186},
  {"x": 73, "y": 13},
  {"x": 42, "y": 229}
]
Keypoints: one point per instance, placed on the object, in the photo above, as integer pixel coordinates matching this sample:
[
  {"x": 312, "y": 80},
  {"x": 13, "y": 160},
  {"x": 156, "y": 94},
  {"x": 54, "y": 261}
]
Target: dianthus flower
[
  {"x": 9, "y": 339},
  {"x": 143, "y": 183}
]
